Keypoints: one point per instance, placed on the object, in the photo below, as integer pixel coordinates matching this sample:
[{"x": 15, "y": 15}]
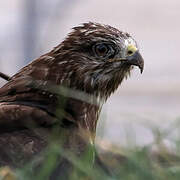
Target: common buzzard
[{"x": 63, "y": 92}]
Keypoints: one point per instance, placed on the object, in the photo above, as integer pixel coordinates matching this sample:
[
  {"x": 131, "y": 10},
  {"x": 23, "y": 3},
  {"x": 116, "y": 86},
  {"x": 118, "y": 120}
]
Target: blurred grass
[{"x": 151, "y": 162}]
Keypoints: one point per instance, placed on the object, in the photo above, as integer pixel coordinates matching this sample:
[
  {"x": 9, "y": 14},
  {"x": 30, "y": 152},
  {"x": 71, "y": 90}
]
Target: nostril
[{"x": 130, "y": 52}]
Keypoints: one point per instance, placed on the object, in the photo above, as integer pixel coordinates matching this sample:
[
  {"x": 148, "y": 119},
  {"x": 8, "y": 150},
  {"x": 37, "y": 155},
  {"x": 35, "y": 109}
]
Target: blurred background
[{"x": 30, "y": 28}]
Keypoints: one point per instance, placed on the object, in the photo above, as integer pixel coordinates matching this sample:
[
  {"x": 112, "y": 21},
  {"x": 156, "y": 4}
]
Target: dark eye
[{"x": 101, "y": 50}]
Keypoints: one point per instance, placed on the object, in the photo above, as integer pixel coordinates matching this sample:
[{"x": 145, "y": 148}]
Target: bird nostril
[{"x": 130, "y": 52}]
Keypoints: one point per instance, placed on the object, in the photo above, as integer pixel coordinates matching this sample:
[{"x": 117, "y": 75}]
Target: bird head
[{"x": 97, "y": 58}]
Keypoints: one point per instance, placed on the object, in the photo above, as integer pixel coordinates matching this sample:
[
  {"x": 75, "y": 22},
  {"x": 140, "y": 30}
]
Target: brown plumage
[{"x": 66, "y": 88}]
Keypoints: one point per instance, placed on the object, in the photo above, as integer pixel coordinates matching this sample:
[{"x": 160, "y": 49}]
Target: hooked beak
[
  {"x": 133, "y": 58},
  {"x": 137, "y": 60}
]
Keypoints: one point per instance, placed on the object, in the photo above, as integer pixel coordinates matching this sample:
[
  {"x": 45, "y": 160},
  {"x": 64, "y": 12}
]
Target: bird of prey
[{"x": 64, "y": 88}]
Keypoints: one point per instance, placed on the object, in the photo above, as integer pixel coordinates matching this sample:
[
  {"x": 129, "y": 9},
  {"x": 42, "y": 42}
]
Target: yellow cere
[{"x": 131, "y": 48}]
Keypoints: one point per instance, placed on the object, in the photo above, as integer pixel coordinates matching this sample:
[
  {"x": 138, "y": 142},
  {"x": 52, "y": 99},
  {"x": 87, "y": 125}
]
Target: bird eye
[{"x": 101, "y": 50}]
